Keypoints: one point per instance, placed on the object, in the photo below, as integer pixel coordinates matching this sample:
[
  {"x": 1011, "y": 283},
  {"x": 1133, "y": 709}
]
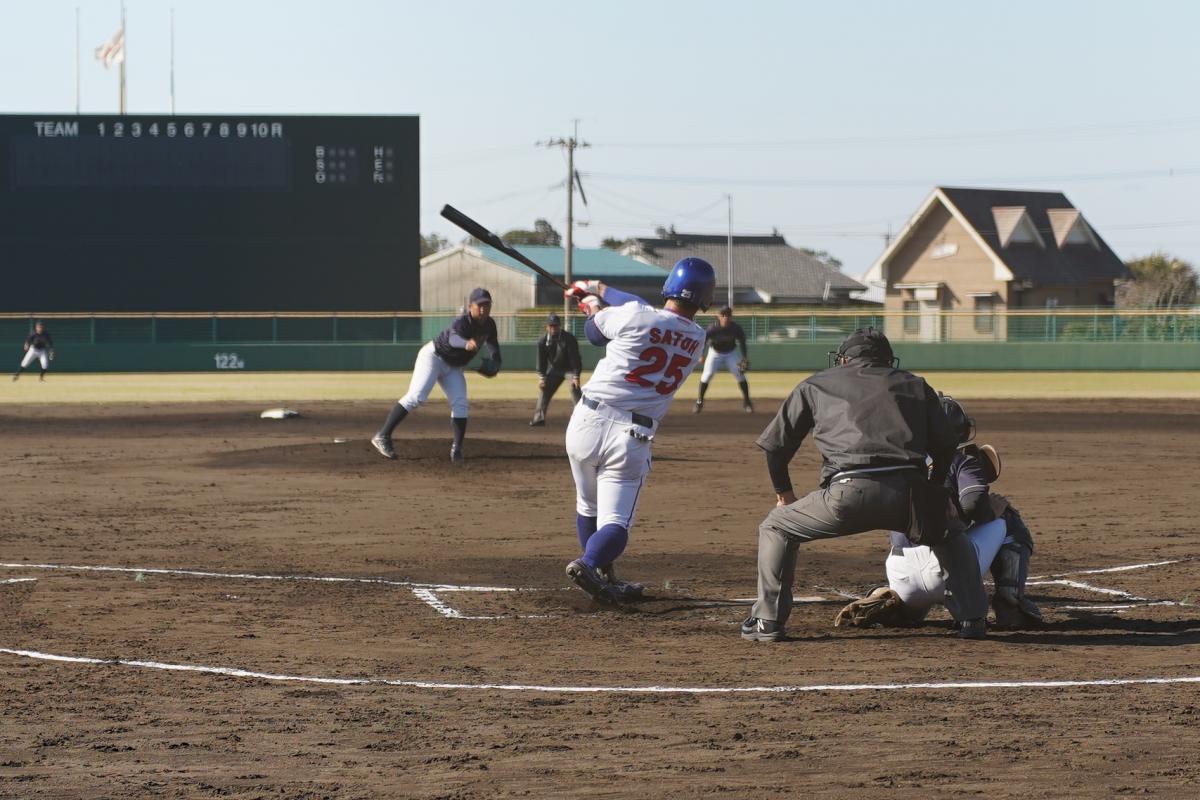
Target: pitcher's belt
[{"x": 616, "y": 414}]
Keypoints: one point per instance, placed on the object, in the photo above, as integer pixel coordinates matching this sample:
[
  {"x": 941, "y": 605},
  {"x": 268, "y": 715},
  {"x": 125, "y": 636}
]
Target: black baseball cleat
[
  {"x": 384, "y": 445},
  {"x": 592, "y": 581},
  {"x": 698, "y": 407},
  {"x": 973, "y": 629},
  {"x": 625, "y": 590},
  {"x": 537, "y": 422},
  {"x": 456, "y": 455},
  {"x": 16, "y": 375},
  {"x": 761, "y": 630},
  {"x": 749, "y": 409}
]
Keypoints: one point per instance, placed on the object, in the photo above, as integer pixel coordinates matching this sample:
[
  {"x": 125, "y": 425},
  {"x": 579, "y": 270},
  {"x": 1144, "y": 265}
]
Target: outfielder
[
  {"x": 441, "y": 361},
  {"x": 557, "y": 357},
  {"x": 649, "y": 354},
  {"x": 723, "y": 335},
  {"x": 874, "y": 425},
  {"x": 999, "y": 537},
  {"x": 39, "y": 345}
]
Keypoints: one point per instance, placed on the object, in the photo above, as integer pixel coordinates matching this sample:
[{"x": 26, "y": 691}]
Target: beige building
[{"x": 987, "y": 251}]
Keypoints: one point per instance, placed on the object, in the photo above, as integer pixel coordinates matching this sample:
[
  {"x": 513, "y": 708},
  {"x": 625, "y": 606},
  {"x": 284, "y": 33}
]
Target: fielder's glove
[
  {"x": 744, "y": 365},
  {"x": 881, "y": 607},
  {"x": 488, "y": 368}
]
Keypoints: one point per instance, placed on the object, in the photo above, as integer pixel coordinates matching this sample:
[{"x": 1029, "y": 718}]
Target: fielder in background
[
  {"x": 723, "y": 336},
  {"x": 39, "y": 345},
  {"x": 441, "y": 361},
  {"x": 874, "y": 425},
  {"x": 557, "y": 357},
  {"x": 649, "y": 354},
  {"x": 999, "y": 537}
]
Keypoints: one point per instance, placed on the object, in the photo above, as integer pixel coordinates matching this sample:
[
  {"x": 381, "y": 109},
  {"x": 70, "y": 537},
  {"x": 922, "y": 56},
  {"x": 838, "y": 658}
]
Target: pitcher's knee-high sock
[
  {"x": 605, "y": 545},
  {"x": 394, "y": 418}
]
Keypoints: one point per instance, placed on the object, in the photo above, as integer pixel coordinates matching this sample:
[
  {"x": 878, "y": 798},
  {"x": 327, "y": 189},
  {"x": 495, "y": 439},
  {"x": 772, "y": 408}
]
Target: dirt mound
[{"x": 357, "y": 454}]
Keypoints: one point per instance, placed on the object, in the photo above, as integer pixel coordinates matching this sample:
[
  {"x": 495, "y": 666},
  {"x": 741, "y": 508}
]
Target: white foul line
[
  {"x": 247, "y": 576},
  {"x": 1107, "y": 569},
  {"x": 430, "y": 598},
  {"x": 235, "y": 672},
  {"x": 18, "y": 580}
]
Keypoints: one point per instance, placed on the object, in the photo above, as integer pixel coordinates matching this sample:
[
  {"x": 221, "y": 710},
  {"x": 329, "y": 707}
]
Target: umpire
[
  {"x": 874, "y": 425},
  {"x": 557, "y": 356}
]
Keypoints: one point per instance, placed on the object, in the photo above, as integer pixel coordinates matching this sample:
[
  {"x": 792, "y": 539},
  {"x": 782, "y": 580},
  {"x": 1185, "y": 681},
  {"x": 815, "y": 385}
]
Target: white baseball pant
[
  {"x": 430, "y": 369},
  {"x": 715, "y": 361},
  {"x": 608, "y": 464},
  {"x": 915, "y": 574},
  {"x": 39, "y": 354}
]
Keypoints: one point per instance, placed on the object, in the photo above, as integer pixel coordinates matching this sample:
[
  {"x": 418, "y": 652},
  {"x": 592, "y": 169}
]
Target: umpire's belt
[
  {"x": 616, "y": 414},
  {"x": 870, "y": 472}
]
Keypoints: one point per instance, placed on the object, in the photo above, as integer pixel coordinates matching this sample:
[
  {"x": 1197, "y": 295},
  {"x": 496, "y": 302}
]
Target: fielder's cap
[
  {"x": 725, "y": 311},
  {"x": 480, "y": 295},
  {"x": 554, "y": 319}
]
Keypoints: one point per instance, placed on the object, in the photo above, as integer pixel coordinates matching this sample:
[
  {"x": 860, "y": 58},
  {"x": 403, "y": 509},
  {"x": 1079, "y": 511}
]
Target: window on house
[
  {"x": 1051, "y": 302},
  {"x": 912, "y": 322},
  {"x": 985, "y": 307}
]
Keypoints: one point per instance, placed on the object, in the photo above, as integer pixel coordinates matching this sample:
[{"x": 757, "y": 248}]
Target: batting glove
[{"x": 581, "y": 289}]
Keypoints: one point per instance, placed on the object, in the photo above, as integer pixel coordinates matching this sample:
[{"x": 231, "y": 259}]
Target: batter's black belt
[{"x": 635, "y": 418}]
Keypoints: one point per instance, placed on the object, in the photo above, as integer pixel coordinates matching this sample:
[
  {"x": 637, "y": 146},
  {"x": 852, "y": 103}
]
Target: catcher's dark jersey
[
  {"x": 449, "y": 343},
  {"x": 558, "y": 355},
  {"x": 39, "y": 341},
  {"x": 969, "y": 478},
  {"x": 724, "y": 339},
  {"x": 861, "y": 415}
]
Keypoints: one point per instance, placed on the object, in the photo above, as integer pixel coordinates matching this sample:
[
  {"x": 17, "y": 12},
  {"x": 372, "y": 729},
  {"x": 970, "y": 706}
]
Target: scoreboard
[{"x": 209, "y": 213}]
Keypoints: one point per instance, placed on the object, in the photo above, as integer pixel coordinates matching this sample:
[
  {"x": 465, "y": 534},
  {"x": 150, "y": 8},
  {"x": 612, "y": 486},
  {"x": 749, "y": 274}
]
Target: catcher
[
  {"x": 999, "y": 536},
  {"x": 722, "y": 336},
  {"x": 441, "y": 361}
]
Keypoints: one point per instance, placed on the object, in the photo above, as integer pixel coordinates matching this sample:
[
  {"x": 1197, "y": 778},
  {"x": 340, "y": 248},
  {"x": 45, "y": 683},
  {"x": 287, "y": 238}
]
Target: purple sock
[
  {"x": 605, "y": 545},
  {"x": 584, "y": 528}
]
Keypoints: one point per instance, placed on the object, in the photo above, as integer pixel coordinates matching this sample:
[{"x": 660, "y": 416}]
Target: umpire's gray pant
[{"x": 848, "y": 506}]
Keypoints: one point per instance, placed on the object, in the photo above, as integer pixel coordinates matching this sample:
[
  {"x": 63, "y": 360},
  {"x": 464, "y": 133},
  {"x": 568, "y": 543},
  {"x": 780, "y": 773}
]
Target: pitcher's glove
[
  {"x": 881, "y": 607},
  {"x": 744, "y": 364},
  {"x": 488, "y": 368}
]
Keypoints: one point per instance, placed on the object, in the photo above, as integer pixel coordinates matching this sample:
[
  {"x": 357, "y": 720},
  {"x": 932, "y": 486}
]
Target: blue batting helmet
[{"x": 693, "y": 280}]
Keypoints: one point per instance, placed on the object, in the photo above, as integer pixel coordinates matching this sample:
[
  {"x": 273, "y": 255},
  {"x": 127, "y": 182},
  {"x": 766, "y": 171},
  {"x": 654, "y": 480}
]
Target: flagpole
[
  {"x": 172, "y": 62},
  {"x": 124, "y": 40},
  {"x": 76, "y": 59}
]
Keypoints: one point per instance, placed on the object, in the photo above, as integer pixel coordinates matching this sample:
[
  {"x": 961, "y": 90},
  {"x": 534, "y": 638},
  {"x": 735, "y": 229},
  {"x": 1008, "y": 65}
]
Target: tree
[
  {"x": 610, "y": 243},
  {"x": 1160, "y": 280},
  {"x": 825, "y": 257},
  {"x": 543, "y": 233},
  {"x": 433, "y": 243}
]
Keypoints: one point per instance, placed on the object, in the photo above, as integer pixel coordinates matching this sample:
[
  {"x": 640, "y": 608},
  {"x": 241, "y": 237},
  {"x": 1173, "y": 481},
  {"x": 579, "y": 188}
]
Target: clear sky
[{"x": 829, "y": 121}]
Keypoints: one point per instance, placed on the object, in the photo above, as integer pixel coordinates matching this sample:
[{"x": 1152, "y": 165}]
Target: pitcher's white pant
[
  {"x": 608, "y": 464},
  {"x": 430, "y": 369},
  {"x": 715, "y": 361},
  {"x": 915, "y": 574},
  {"x": 39, "y": 354}
]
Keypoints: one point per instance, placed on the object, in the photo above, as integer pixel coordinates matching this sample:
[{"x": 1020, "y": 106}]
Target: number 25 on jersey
[{"x": 657, "y": 361}]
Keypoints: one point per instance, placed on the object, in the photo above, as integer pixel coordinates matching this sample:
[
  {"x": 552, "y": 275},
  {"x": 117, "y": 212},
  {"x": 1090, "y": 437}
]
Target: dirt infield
[{"x": 505, "y": 682}]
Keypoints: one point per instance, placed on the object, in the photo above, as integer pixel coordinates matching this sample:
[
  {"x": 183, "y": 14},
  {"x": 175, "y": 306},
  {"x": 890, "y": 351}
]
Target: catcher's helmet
[
  {"x": 956, "y": 415},
  {"x": 865, "y": 343},
  {"x": 692, "y": 280}
]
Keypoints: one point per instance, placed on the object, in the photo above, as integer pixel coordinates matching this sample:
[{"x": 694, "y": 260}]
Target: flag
[{"x": 112, "y": 51}]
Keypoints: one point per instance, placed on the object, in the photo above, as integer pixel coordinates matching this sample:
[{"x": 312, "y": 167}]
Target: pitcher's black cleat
[
  {"x": 384, "y": 445},
  {"x": 592, "y": 582}
]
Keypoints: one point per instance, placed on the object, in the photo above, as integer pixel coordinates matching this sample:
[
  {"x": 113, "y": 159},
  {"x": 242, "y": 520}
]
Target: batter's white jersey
[{"x": 650, "y": 353}]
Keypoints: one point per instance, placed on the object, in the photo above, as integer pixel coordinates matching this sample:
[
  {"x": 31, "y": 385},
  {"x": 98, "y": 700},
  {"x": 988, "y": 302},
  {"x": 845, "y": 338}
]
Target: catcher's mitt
[
  {"x": 744, "y": 365},
  {"x": 881, "y": 607},
  {"x": 488, "y": 368}
]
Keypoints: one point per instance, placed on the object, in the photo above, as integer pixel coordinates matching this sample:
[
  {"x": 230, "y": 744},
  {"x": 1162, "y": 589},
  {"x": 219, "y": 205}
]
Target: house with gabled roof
[
  {"x": 991, "y": 250},
  {"x": 766, "y": 269},
  {"x": 448, "y": 276}
]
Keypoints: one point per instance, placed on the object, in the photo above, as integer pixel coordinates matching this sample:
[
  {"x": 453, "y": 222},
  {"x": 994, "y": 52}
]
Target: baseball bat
[{"x": 484, "y": 235}]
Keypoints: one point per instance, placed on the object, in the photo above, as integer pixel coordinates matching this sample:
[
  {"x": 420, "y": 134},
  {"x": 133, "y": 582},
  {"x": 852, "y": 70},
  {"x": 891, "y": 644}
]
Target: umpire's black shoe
[
  {"x": 973, "y": 629},
  {"x": 384, "y": 445},
  {"x": 591, "y": 581},
  {"x": 761, "y": 630}
]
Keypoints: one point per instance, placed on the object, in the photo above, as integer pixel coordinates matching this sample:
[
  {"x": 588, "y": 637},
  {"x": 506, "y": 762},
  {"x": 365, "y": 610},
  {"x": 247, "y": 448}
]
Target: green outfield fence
[{"x": 1074, "y": 338}]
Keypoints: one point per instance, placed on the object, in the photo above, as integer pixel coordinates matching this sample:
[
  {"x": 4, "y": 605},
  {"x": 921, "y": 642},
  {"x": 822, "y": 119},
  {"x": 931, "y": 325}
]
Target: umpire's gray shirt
[{"x": 860, "y": 415}]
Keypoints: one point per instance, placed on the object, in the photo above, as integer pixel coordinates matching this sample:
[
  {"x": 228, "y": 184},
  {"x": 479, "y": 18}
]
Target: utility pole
[
  {"x": 569, "y": 144},
  {"x": 124, "y": 38},
  {"x": 729, "y": 251}
]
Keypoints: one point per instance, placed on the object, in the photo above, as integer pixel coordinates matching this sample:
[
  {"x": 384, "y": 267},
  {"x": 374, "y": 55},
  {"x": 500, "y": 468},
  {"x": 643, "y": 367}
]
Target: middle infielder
[
  {"x": 723, "y": 335},
  {"x": 649, "y": 354}
]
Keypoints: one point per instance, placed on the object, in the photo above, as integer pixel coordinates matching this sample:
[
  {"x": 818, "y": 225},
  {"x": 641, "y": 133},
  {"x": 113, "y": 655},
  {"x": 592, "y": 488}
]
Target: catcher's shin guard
[
  {"x": 881, "y": 607},
  {"x": 1010, "y": 570}
]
